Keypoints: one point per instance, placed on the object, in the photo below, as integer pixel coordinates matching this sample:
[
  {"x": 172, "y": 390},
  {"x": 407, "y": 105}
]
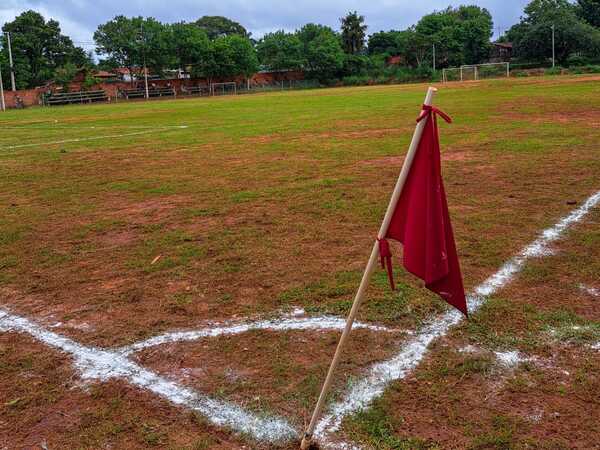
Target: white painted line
[
  {"x": 101, "y": 364},
  {"x": 594, "y": 292},
  {"x": 90, "y": 127},
  {"x": 97, "y": 364},
  {"x": 410, "y": 355},
  {"x": 92, "y": 138},
  {"x": 510, "y": 358},
  {"x": 281, "y": 324}
]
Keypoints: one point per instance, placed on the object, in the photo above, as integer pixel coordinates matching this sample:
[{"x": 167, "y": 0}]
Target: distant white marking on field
[
  {"x": 412, "y": 352},
  {"x": 90, "y": 127},
  {"x": 94, "y": 138},
  {"x": 281, "y": 324},
  {"x": 594, "y": 292},
  {"x": 97, "y": 364}
]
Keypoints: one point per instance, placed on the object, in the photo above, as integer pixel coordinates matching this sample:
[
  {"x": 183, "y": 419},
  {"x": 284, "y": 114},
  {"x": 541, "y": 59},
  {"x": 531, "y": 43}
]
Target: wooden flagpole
[{"x": 364, "y": 282}]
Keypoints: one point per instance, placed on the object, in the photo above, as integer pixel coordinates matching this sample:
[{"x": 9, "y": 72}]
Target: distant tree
[
  {"x": 119, "y": 39},
  {"x": 133, "y": 42},
  {"x": 532, "y": 36},
  {"x": 219, "y": 26},
  {"x": 232, "y": 56},
  {"x": 589, "y": 10},
  {"x": 39, "y": 49},
  {"x": 322, "y": 50},
  {"x": 280, "y": 51},
  {"x": 353, "y": 32},
  {"x": 156, "y": 45},
  {"x": 191, "y": 46},
  {"x": 383, "y": 42},
  {"x": 190, "y": 43},
  {"x": 461, "y": 35}
]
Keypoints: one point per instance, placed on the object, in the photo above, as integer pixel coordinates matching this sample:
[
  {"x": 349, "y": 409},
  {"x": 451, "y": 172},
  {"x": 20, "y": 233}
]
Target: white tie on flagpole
[{"x": 410, "y": 155}]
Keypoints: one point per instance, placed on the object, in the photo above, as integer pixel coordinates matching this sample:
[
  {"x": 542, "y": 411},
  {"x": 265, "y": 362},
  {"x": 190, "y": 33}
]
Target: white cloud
[{"x": 79, "y": 18}]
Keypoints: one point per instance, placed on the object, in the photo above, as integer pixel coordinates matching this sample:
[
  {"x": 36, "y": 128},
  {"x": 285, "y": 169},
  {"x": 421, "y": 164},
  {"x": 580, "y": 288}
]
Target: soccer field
[{"x": 175, "y": 274}]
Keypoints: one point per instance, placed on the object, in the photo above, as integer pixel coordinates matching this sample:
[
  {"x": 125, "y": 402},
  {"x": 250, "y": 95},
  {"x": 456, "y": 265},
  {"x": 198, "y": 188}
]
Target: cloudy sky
[{"x": 79, "y": 18}]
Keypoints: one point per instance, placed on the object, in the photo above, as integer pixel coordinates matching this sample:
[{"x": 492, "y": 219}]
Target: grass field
[{"x": 123, "y": 222}]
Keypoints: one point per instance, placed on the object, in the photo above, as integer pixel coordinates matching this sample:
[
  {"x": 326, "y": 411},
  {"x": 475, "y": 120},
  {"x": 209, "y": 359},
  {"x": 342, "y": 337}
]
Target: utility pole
[
  {"x": 10, "y": 62},
  {"x": 2, "y": 104},
  {"x": 144, "y": 57},
  {"x": 553, "y": 46},
  {"x": 434, "y": 57}
]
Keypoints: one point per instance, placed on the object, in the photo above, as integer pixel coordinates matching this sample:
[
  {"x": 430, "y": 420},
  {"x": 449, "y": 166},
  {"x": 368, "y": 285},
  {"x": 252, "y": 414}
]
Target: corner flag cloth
[{"x": 421, "y": 221}]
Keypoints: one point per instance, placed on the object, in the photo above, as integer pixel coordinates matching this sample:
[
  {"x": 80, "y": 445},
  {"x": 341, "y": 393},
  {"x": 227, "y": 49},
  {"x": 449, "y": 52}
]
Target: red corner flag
[{"x": 421, "y": 221}]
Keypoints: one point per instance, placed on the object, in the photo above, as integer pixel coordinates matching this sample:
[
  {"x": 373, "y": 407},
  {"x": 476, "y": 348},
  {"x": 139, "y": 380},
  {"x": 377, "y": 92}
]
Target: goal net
[
  {"x": 476, "y": 72},
  {"x": 229, "y": 88}
]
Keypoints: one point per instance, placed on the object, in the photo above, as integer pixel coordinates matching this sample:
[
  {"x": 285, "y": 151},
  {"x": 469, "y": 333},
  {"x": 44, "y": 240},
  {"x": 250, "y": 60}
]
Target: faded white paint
[
  {"x": 94, "y": 363},
  {"x": 97, "y": 364},
  {"x": 93, "y": 138},
  {"x": 281, "y": 324},
  {"x": 412, "y": 352},
  {"x": 589, "y": 290}
]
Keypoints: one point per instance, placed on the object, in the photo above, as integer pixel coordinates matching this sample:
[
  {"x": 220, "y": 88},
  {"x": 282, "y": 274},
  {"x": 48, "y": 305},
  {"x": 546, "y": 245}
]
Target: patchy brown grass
[{"x": 253, "y": 213}]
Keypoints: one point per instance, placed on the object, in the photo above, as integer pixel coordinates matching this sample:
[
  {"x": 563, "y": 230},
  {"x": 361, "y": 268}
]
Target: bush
[
  {"x": 356, "y": 80},
  {"x": 589, "y": 68},
  {"x": 577, "y": 60},
  {"x": 553, "y": 71}
]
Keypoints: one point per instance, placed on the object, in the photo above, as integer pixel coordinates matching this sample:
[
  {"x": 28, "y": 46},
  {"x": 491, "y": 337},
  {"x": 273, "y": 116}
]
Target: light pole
[
  {"x": 434, "y": 57},
  {"x": 144, "y": 57},
  {"x": 2, "y": 104},
  {"x": 10, "y": 62},
  {"x": 553, "y": 46}
]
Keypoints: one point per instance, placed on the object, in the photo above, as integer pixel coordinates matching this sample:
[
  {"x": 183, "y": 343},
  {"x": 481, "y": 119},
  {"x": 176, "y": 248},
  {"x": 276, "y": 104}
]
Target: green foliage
[
  {"x": 89, "y": 81},
  {"x": 532, "y": 36},
  {"x": 119, "y": 40},
  {"x": 233, "y": 55},
  {"x": 38, "y": 49},
  {"x": 135, "y": 42},
  {"x": 322, "y": 51},
  {"x": 65, "y": 74},
  {"x": 353, "y": 33},
  {"x": 461, "y": 36},
  {"x": 280, "y": 51},
  {"x": 378, "y": 429},
  {"x": 219, "y": 26},
  {"x": 356, "y": 64},
  {"x": 191, "y": 46},
  {"x": 589, "y": 10}
]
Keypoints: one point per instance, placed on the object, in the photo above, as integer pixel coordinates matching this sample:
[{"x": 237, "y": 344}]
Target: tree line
[{"x": 218, "y": 47}]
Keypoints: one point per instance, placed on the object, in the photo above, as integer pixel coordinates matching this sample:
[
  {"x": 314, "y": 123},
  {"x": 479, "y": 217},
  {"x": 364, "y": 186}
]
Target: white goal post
[
  {"x": 476, "y": 71},
  {"x": 229, "y": 87}
]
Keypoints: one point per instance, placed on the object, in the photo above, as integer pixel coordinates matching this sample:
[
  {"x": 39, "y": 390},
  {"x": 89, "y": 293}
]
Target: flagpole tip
[{"x": 434, "y": 89}]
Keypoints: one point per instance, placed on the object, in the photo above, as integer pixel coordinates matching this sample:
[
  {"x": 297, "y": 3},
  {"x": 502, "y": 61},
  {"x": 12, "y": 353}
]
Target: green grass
[{"x": 272, "y": 201}]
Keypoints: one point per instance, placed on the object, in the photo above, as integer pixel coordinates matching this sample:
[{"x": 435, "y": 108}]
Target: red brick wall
[{"x": 31, "y": 97}]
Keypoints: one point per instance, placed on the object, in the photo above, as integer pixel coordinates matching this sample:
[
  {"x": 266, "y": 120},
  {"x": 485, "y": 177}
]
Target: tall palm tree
[{"x": 354, "y": 32}]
